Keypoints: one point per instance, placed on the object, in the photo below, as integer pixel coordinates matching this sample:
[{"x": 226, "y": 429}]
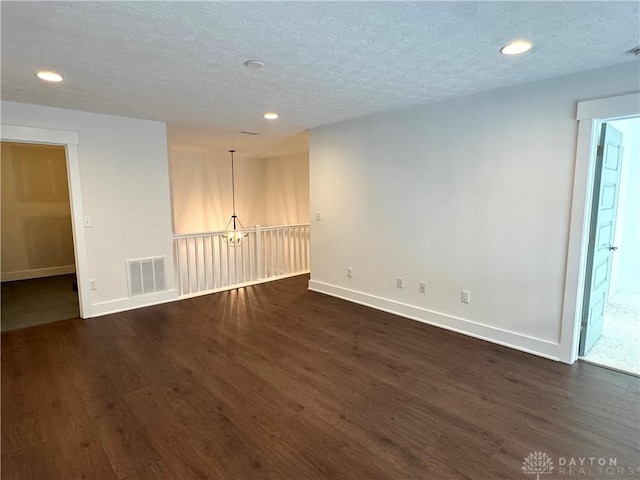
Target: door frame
[
  {"x": 69, "y": 140},
  {"x": 590, "y": 115}
]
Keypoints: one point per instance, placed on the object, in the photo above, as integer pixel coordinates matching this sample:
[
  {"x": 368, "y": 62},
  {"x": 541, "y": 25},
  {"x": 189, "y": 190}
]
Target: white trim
[
  {"x": 38, "y": 273},
  {"x": 77, "y": 221},
  {"x": 620, "y": 106},
  {"x": 248, "y": 230},
  {"x": 131, "y": 303},
  {"x": 157, "y": 298},
  {"x": 590, "y": 115},
  {"x": 470, "y": 328},
  {"x": 17, "y": 133},
  {"x": 46, "y": 136},
  {"x": 241, "y": 285}
]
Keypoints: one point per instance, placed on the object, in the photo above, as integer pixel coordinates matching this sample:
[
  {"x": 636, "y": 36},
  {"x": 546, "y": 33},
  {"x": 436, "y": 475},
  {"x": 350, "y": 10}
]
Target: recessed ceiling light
[
  {"x": 514, "y": 48},
  {"x": 254, "y": 64},
  {"x": 49, "y": 76},
  {"x": 271, "y": 116}
]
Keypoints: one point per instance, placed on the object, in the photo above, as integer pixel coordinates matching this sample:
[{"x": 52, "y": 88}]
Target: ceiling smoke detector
[{"x": 254, "y": 64}]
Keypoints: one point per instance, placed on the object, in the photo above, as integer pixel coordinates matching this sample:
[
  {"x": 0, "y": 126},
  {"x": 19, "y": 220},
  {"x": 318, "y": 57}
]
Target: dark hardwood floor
[{"x": 276, "y": 382}]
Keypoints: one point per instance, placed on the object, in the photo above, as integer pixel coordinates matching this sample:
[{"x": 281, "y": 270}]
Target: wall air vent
[{"x": 146, "y": 275}]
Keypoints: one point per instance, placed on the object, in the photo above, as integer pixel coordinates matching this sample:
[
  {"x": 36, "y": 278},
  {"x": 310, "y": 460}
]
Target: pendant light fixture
[{"x": 233, "y": 237}]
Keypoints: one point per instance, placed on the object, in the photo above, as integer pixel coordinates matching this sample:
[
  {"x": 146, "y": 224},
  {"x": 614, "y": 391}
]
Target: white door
[{"x": 601, "y": 248}]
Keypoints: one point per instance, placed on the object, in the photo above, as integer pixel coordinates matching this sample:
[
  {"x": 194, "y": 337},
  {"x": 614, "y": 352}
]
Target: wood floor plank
[
  {"x": 277, "y": 382},
  {"x": 31, "y": 463},
  {"x": 170, "y": 439},
  {"x": 93, "y": 465},
  {"x": 514, "y": 450},
  {"x": 21, "y": 421},
  {"x": 633, "y": 389}
]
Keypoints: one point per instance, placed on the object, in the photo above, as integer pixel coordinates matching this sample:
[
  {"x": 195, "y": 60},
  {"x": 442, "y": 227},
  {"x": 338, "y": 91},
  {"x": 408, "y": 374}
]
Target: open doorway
[
  {"x": 38, "y": 264},
  {"x": 610, "y": 329}
]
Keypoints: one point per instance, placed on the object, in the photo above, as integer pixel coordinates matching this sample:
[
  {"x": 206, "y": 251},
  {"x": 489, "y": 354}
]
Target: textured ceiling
[{"x": 182, "y": 62}]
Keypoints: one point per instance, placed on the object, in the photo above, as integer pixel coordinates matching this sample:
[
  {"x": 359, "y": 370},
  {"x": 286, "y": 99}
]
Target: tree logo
[{"x": 537, "y": 463}]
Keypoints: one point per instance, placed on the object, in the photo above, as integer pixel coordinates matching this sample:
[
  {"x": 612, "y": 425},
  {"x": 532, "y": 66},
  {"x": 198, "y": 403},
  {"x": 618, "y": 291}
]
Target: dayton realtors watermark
[
  {"x": 600, "y": 466},
  {"x": 539, "y": 463}
]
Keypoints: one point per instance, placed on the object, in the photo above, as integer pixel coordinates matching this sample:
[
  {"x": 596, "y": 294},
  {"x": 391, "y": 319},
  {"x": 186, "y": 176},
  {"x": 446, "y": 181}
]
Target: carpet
[
  {"x": 26, "y": 303},
  {"x": 619, "y": 345}
]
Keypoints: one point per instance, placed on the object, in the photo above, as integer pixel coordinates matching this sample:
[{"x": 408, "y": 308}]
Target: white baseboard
[
  {"x": 535, "y": 346},
  {"x": 141, "y": 301},
  {"x": 236, "y": 286},
  {"x": 38, "y": 273},
  {"x": 131, "y": 303}
]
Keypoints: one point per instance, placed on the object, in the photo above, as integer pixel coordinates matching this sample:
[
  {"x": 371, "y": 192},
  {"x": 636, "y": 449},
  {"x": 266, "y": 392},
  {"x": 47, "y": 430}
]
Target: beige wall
[
  {"x": 269, "y": 191},
  {"x": 287, "y": 190},
  {"x": 36, "y": 218}
]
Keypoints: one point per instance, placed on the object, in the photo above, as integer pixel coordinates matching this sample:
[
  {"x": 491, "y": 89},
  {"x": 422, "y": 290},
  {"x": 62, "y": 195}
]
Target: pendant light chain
[{"x": 234, "y": 238}]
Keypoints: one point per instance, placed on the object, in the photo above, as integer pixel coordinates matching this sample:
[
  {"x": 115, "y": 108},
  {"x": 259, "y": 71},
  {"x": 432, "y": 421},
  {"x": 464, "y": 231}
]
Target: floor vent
[{"x": 146, "y": 275}]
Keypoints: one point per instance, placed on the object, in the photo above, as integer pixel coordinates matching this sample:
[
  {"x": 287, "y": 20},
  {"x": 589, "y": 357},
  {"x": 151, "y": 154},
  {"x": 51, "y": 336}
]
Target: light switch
[
  {"x": 87, "y": 222},
  {"x": 318, "y": 216}
]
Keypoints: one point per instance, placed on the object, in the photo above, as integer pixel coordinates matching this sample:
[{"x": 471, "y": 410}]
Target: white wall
[
  {"x": 471, "y": 193},
  {"x": 269, "y": 191},
  {"x": 125, "y": 191},
  {"x": 625, "y": 274}
]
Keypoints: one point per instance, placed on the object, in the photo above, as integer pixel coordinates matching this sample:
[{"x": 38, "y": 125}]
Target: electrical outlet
[
  {"x": 399, "y": 282},
  {"x": 93, "y": 284},
  {"x": 349, "y": 272},
  {"x": 466, "y": 296},
  {"x": 423, "y": 287}
]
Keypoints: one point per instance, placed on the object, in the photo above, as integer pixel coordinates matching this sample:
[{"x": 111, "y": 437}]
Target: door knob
[{"x": 612, "y": 248}]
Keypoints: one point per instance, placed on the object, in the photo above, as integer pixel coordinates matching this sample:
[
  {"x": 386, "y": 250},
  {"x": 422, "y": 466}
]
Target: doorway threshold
[
  {"x": 608, "y": 367},
  {"x": 619, "y": 346}
]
